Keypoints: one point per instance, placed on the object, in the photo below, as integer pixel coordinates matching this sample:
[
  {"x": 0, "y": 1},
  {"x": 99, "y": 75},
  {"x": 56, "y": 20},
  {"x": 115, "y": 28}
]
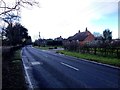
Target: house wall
[{"x": 89, "y": 38}]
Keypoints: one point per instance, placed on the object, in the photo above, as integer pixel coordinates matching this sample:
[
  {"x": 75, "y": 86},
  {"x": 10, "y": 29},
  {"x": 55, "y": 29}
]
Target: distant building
[
  {"x": 40, "y": 42},
  {"x": 82, "y": 37},
  {"x": 59, "y": 38}
]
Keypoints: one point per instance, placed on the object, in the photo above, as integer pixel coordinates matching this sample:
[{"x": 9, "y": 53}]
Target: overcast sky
[{"x": 64, "y": 18}]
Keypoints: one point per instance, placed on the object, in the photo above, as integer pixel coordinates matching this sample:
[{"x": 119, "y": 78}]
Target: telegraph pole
[
  {"x": 39, "y": 35},
  {"x": 39, "y": 39}
]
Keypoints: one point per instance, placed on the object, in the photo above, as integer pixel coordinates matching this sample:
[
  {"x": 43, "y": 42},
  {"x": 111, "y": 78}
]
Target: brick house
[{"x": 82, "y": 37}]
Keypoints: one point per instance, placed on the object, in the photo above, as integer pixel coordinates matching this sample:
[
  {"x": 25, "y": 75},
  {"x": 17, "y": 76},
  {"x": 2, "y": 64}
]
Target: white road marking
[
  {"x": 61, "y": 54},
  {"x": 35, "y": 63},
  {"x": 27, "y": 67},
  {"x": 26, "y": 72},
  {"x": 70, "y": 66}
]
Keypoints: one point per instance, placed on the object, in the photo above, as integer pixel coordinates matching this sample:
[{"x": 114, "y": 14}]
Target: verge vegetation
[
  {"x": 48, "y": 47},
  {"x": 100, "y": 59},
  {"x": 12, "y": 71}
]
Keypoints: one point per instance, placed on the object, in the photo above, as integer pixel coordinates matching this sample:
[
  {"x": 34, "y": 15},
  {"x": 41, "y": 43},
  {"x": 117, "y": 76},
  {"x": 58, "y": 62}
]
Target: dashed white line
[
  {"x": 27, "y": 67},
  {"x": 70, "y": 66},
  {"x": 35, "y": 63}
]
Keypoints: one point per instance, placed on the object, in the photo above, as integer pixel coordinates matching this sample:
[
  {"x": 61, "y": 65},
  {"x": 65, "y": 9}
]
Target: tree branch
[{"x": 17, "y": 5}]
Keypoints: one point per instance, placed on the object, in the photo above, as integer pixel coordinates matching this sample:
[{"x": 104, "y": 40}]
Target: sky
[{"x": 65, "y": 18}]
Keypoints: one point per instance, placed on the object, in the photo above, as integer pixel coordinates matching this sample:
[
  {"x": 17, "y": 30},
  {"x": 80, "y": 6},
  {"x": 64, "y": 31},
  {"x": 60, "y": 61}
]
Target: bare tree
[
  {"x": 15, "y": 6},
  {"x": 8, "y": 12}
]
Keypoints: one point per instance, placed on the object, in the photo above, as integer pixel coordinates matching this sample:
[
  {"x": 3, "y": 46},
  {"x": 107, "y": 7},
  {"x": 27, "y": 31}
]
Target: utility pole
[
  {"x": 39, "y": 35},
  {"x": 39, "y": 39}
]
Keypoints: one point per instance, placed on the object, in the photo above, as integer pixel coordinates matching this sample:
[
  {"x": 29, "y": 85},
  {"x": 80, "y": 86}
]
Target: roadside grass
[
  {"x": 100, "y": 59},
  {"x": 17, "y": 55},
  {"x": 41, "y": 47},
  {"x": 17, "y": 67},
  {"x": 47, "y": 47},
  {"x": 13, "y": 76}
]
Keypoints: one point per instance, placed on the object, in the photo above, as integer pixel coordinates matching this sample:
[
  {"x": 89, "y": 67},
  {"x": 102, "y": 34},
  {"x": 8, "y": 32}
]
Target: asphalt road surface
[{"x": 47, "y": 69}]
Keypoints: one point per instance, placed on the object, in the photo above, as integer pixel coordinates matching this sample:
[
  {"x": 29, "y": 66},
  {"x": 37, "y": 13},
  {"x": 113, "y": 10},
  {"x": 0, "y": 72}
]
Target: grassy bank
[
  {"x": 105, "y": 60},
  {"x": 12, "y": 72}
]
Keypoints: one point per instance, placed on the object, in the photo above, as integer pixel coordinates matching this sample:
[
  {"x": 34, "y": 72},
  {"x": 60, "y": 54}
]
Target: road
[{"x": 47, "y": 69}]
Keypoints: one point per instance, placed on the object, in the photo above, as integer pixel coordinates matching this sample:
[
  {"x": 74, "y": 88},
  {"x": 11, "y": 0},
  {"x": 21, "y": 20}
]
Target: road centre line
[
  {"x": 26, "y": 67},
  {"x": 70, "y": 66},
  {"x": 36, "y": 63}
]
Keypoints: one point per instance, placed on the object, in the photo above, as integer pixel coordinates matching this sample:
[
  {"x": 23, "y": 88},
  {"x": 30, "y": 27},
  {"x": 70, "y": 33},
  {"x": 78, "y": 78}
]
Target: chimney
[
  {"x": 79, "y": 31},
  {"x": 86, "y": 29}
]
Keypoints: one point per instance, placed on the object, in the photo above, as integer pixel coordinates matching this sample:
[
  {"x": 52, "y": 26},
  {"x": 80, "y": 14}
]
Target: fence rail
[
  {"x": 112, "y": 52},
  {"x": 102, "y": 51}
]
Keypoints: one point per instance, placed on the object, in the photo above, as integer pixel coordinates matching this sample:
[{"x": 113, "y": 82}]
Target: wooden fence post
[
  {"x": 118, "y": 53},
  {"x": 105, "y": 51},
  {"x": 95, "y": 50}
]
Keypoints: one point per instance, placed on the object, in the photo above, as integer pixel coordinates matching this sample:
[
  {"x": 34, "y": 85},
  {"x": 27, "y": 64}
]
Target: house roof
[
  {"x": 79, "y": 36},
  {"x": 59, "y": 38}
]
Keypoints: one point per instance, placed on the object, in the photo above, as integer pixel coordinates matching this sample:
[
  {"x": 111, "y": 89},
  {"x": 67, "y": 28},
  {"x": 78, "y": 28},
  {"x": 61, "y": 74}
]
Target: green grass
[
  {"x": 101, "y": 59},
  {"x": 17, "y": 55},
  {"x": 13, "y": 76},
  {"x": 47, "y": 47},
  {"x": 44, "y": 48},
  {"x": 17, "y": 70}
]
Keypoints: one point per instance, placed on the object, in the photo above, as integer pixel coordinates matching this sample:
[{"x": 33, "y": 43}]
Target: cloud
[{"x": 65, "y": 17}]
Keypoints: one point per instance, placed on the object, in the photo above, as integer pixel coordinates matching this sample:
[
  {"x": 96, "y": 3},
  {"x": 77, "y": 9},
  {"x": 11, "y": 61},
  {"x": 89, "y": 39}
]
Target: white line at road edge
[
  {"x": 70, "y": 66},
  {"x": 28, "y": 78}
]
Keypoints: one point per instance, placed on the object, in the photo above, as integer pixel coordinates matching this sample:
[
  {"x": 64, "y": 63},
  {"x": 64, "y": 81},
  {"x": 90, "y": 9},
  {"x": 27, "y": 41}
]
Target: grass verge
[
  {"x": 44, "y": 48},
  {"x": 12, "y": 76},
  {"x": 47, "y": 47},
  {"x": 105, "y": 60}
]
